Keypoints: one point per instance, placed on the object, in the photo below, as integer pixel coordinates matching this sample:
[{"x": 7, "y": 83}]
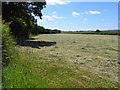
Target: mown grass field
[
  {"x": 110, "y": 32},
  {"x": 75, "y": 61}
]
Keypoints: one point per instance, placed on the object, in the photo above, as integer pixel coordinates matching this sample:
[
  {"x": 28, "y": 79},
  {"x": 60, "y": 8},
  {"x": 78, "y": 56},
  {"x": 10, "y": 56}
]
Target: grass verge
[{"x": 20, "y": 73}]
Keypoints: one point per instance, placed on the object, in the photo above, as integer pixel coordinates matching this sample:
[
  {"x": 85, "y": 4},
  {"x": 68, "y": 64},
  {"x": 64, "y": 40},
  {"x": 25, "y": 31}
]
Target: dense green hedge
[
  {"x": 8, "y": 45},
  {"x": 16, "y": 72}
]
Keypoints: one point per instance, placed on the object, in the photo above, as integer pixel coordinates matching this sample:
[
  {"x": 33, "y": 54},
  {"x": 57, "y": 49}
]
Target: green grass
[
  {"x": 20, "y": 73},
  {"x": 98, "y": 33},
  {"x": 51, "y": 67},
  {"x": 17, "y": 71},
  {"x": 112, "y": 49},
  {"x": 27, "y": 71},
  {"x": 62, "y": 74}
]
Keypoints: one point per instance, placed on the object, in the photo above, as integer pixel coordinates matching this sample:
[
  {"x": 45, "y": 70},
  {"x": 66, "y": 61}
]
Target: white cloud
[
  {"x": 54, "y": 12},
  {"x": 51, "y": 17},
  {"x": 38, "y": 21},
  {"x": 91, "y": 12},
  {"x": 48, "y": 17},
  {"x": 75, "y": 13},
  {"x": 54, "y": 2},
  {"x": 94, "y": 12},
  {"x": 57, "y": 17},
  {"x": 45, "y": 16},
  {"x": 60, "y": 17}
]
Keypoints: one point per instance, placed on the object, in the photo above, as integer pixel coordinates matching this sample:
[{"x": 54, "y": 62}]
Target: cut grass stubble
[{"x": 54, "y": 67}]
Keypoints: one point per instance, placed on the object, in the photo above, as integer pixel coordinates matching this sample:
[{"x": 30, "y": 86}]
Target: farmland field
[{"x": 74, "y": 60}]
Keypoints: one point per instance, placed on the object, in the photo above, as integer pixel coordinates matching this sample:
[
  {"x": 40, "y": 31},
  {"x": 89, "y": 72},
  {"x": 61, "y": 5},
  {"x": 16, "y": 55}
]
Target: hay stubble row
[{"x": 95, "y": 54}]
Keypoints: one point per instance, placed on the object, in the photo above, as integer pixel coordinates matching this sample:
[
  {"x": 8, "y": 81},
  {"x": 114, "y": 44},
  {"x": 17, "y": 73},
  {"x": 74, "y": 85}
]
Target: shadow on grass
[
  {"x": 37, "y": 44},
  {"x": 33, "y": 38}
]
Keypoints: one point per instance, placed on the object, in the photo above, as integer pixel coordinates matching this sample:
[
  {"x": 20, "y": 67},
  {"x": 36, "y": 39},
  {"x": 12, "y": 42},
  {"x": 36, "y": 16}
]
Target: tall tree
[{"x": 20, "y": 14}]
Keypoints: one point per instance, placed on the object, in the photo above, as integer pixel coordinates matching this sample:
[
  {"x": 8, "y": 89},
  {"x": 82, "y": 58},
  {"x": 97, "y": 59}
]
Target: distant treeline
[
  {"x": 95, "y": 32},
  {"x": 42, "y": 30}
]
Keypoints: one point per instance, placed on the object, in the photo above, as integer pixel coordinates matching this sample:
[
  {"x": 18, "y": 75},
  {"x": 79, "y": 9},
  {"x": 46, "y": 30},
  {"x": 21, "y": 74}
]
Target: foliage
[
  {"x": 8, "y": 45},
  {"x": 98, "y": 30},
  {"x": 42, "y": 30},
  {"x": 43, "y": 69},
  {"x": 23, "y": 22},
  {"x": 16, "y": 72},
  {"x": 21, "y": 15},
  {"x": 22, "y": 74}
]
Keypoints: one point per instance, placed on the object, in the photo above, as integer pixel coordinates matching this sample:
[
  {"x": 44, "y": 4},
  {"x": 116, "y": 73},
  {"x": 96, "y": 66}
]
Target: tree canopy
[
  {"x": 98, "y": 30},
  {"x": 20, "y": 14}
]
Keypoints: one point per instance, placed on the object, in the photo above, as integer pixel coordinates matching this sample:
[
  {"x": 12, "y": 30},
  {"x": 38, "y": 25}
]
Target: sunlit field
[
  {"x": 45, "y": 45},
  {"x": 75, "y": 60}
]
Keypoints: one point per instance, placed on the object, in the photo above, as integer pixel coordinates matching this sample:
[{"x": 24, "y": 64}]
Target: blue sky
[{"x": 76, "y": 16}]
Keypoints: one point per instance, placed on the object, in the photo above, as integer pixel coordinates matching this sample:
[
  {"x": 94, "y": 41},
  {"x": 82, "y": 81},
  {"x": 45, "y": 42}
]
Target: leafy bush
[
  {"x": 8, "y": 45},
  {"x": 98, "y": 30},
  {"x": 16, "y": 72}
]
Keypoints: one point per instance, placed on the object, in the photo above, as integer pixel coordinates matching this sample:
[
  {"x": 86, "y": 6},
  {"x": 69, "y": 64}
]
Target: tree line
[
  {"x": 42, "y": 30},
  {"x": 22, "y": 21}
]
